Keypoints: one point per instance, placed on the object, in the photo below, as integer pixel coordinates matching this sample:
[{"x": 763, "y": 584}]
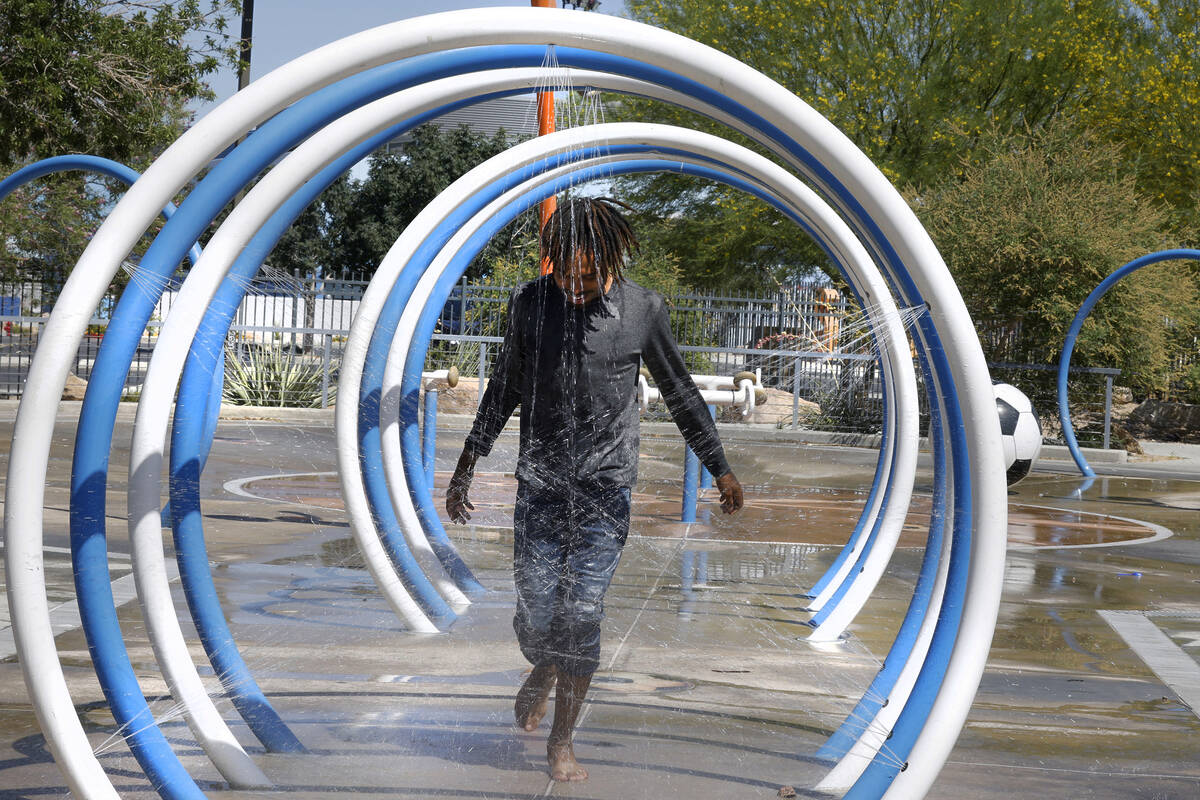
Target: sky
[{"x": 285, "y": 29}]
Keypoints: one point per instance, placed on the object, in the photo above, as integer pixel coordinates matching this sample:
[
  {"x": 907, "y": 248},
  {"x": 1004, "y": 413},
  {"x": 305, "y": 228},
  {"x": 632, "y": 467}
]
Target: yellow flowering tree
[
  {"x": 1032, "y": 226},
  {"x": 916, "y": 85},
  {"x": 913, "y": 84}
]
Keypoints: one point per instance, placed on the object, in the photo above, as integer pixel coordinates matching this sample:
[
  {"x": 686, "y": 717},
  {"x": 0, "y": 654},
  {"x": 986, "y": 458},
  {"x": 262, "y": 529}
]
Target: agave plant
[{"x": 273, "y": 376}]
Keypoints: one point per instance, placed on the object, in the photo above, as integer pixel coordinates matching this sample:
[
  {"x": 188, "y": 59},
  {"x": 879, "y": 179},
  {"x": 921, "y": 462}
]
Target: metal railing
[
  {"x": 1090, "y": 390},
  {"x": 307, "y": 330}
]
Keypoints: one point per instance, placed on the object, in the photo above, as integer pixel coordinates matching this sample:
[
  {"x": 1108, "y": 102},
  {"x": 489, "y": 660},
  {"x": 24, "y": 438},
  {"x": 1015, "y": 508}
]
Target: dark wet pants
[{"x": 565, "y": 549}]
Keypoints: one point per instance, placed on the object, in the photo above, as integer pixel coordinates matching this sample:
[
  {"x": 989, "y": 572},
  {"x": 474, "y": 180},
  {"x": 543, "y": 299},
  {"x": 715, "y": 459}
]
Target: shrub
[
  {"x": 273, "y": 376},
  {"x": 1032, "y": 226}
]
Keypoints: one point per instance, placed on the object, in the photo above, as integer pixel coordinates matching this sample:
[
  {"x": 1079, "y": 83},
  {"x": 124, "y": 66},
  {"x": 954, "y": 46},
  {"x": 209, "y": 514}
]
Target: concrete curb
[
  {"x": 734, "y": 432},
  {"x": 769, "y": 433}
]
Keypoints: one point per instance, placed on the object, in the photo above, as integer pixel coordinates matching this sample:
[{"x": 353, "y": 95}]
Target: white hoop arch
[{"x": 861, "y": 193}]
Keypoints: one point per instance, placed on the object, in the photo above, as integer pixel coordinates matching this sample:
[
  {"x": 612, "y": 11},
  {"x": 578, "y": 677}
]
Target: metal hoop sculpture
[
  {"x": 1064, "y": 359},
  {"x": 947, "y": 649},
  {"x": 88, "y": 551}
]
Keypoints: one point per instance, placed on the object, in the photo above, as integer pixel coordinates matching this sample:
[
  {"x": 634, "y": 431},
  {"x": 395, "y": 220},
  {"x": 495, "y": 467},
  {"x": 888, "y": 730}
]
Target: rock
[
  {"x": 1051, "y": 427},
  {"x": 75, "y": 387},
  {"x": 1125, "y": 439},
  {"x": 1165, "y": 421},
  {"x": 1089, "y": 427},
  {"x": 1122, "y": 395},
  {"x": 1121, "y": 411},
  {"x": 462, "y": 399},
  {"x": 777, "y": 410},
  {"x": 787, "y": 791}
]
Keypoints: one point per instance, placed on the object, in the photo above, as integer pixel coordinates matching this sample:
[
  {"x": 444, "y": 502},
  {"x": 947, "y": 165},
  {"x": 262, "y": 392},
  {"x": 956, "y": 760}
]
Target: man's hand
[
  {"x": 731, "y": 492},
  {"x": 456, "y": 494}
]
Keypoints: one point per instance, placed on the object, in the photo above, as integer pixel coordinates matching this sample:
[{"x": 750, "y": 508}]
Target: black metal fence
[{"x": 808, "y": 345}]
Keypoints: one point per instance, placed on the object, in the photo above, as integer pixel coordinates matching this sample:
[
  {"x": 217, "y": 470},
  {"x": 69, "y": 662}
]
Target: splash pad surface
[
  {"x": 943, "y": 652},
  {"x": 690, "y": 705},
  {"x": 815, "y": 516}
]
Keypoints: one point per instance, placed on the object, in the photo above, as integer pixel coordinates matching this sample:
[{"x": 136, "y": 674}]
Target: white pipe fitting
[
  {"x": 449, "y": 375},
  {"x": 745, "y": 394}
]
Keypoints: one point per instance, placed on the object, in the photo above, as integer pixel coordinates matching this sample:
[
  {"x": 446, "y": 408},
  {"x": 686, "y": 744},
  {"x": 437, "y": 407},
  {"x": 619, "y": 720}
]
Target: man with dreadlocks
[{"x": 570, "y": 360}]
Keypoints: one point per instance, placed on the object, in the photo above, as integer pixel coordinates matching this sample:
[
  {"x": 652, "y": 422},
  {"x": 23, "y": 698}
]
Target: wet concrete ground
[{"x": 707, "y": 688}]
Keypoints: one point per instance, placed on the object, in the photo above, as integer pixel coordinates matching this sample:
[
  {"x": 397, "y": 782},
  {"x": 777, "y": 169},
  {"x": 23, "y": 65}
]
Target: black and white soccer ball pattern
[{"x": 1020, "y": 430}]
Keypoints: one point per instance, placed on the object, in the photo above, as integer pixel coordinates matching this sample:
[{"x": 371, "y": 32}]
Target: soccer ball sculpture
[{"x": 1020, "y": 430}]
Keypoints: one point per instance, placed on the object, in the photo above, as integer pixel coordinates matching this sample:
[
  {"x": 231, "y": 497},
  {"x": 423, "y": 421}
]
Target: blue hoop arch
[{"x": 1064, "y": 360}]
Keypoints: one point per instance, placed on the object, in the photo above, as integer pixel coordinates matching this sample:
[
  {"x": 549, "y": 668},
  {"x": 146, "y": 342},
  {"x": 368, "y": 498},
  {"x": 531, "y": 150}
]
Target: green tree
[
  {"x": 1145, "y": 98},
  {"x": 104, "y": 77},
  {"x": 313, "y": 241},
  {"x": 720, "y": 238},
  {"x": 1033, "y": 226},
  {"x": 399, "y": 184},
  {"x": 916, "y": 86},
  {"x": 45, "y": 226}
]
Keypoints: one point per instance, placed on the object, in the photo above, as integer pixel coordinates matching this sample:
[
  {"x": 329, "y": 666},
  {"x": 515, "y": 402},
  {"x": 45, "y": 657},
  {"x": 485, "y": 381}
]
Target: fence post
[
  {"x": 325, "y": 371},
  {"x": 691, "y": 477},
  {"x": 297, "y": 298},
  {"x": 796, "y": 394},
  {"x": 1108, "y": 384},
  {"x": 462, "y": 307},
  {"x": 482, "y": 371},
  {"x": 429, "y": 441}
]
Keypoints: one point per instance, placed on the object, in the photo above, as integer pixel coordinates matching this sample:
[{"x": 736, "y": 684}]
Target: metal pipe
[
  {"x": 1064, "y": 359},
  {"x": 691, "y": 480},
  {"x": 1108, "y": 381},
  {"x": 706, "y": 477},
  {"x": 745, "y": 395},
  {"x": 449, "y": 375},
  {"x": 545, "y": 117},
  {"x": 429, "y": 441}
]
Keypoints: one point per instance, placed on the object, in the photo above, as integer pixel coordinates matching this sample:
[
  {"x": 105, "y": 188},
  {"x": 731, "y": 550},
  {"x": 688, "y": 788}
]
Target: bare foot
[
  {"x": 533, "y": 697},
  {"x": 563, "y": 766}
]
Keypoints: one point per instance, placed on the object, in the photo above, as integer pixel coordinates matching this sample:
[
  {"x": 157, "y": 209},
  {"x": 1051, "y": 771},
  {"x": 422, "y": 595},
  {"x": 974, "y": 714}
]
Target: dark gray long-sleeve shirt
[{"x": 573, "y": 371}]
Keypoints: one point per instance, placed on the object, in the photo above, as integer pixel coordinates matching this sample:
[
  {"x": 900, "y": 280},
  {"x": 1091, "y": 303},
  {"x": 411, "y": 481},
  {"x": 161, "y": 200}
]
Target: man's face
[{"x": 580, "y": 280}]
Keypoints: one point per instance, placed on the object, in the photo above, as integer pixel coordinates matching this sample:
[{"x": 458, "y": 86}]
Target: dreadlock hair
[{"x": 593, "y": 225}]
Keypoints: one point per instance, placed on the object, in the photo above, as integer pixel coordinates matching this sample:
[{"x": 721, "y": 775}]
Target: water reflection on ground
[{"x": 811, "y": 515}]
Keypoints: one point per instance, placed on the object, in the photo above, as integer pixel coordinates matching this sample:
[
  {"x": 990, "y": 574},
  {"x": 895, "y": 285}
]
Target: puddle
[{"x": 819, "y": 516}]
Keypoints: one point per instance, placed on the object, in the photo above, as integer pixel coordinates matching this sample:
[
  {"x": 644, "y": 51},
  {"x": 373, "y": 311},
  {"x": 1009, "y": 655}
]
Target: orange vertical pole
[
  {"x": 826, "y": 305},
  {"x": 545, "y": 114}
]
